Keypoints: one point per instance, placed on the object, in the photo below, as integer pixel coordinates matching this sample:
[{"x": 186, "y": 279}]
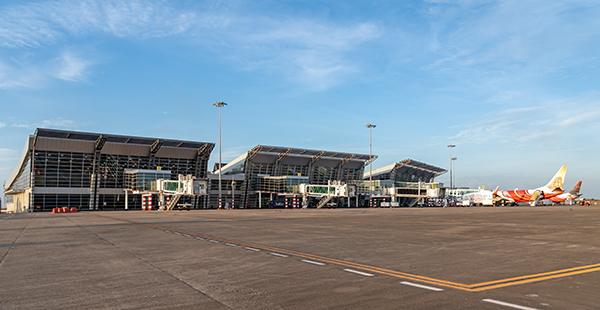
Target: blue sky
[{"x": 513, "y": 84}]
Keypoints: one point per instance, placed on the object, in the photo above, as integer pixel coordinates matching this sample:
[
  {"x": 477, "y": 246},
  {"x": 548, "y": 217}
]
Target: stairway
[{"x": 324, "y": 201}]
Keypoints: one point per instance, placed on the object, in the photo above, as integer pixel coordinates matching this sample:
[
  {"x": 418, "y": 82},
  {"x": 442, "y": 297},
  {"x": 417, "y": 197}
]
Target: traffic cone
[{"x": 54, "y": 210}]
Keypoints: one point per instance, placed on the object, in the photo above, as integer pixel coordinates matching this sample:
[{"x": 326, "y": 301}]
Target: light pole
[
  {"x": 219, "y": 105},
  {"x": 451, "y": 160},
  {"x": 454, "y": 171},
  {"x": 370, "y": 126}
]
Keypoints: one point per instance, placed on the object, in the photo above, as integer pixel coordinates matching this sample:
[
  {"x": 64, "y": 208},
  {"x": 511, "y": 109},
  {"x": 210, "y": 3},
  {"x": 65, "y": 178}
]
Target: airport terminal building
[
  {"x": 61, "y": 168},
  {"x": 94, "y": 171}
]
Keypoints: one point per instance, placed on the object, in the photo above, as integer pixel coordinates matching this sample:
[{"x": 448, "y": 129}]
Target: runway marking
[
  {"x": 231, "y": 244},
  {"x": 199, "y": 238},
  {"x": 359, "y": 272},
  {"x": 279, "y": 255},
  {"x": 6, "y": 218},
  {"x": 312, "y": 262},
  {"x": 186, "y": 235},
  {"x": 251, "y": 249},
  {"x": 476, "y": 287},
  {"x": 506, "y": 304},
  {"x": 431, "y": 288}
]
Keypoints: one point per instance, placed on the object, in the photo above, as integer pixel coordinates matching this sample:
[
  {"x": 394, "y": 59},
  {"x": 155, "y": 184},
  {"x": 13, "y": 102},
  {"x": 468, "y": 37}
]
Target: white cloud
[
  {"x": 529, "y": 38},
  {"x": 19, "y": 75},
  {"x": 71, "y": 67},
  {"x": 308, "y": 51},
  {"x": 31, "y": 72},
  {"x": 542, "y": 124},
  {"x": 40, "y": 24},
  {"x": 50, "y": 123}
]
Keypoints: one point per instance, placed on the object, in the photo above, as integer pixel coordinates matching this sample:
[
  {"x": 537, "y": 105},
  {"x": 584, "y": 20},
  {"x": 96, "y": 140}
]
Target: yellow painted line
[
  {"x": 537, "y": 275},
  {"x": 476, "y": 287},
  {"x": 556, "y": 276}
]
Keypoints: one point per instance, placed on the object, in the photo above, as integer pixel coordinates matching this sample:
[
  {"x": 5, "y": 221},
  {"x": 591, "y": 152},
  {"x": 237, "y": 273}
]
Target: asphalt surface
[{"x": 432, "y": 258}]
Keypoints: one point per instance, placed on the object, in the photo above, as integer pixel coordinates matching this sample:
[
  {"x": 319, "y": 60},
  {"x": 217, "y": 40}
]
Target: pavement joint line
[
  {"x": 431, "y": 288},
  {"x": 476, "y": 287},
  {"x": 359, "y": 272},
  {"x": 251, "y": 249},
  {"x": 507, "y": 304},
  {"x": 279, "y": 255},
  {"x": 17, "y": 238},
  {"x": 312, "y": 262}
]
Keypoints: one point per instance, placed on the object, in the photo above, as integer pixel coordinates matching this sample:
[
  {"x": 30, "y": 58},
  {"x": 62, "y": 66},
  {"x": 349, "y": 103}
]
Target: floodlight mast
[
  {"x": 370, "y": 126},
  {"x": 451, "y": 161},
  {"x": 219, "y": 105},
  {"x": 454, "y": 171}
]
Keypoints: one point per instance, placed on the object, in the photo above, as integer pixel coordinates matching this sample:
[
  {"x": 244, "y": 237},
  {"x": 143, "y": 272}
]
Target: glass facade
[
  {"x": 62, "y": 169},
  {"x": 141, "y": 179},
  {"x": 24, "y": 179}
]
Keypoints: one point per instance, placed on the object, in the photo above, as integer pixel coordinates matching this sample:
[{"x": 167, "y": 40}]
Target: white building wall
[{"x": 20, "y": 203}]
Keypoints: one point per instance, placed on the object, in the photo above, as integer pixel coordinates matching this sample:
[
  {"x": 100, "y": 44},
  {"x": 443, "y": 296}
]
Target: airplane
[
  {"x": 533, "y": 196},
  {"x": 572, "y": 195}
]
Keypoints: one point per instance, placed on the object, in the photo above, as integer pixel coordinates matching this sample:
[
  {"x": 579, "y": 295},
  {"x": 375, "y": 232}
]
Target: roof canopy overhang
[{"x": 409, "y": 166}]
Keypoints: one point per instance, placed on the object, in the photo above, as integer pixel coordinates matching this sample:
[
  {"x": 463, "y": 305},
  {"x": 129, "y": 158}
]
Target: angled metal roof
[
  {"x": 88, "y": 136},
  {"x": 405, "y": 166},
  {"x": 309, "y": 154}
]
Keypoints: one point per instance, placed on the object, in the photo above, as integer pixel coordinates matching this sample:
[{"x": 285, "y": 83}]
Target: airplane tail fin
[
  {"x": 556, "y": 183},
  {"x": 496, "y": 191},
  {"x": 576, "y": 189}
]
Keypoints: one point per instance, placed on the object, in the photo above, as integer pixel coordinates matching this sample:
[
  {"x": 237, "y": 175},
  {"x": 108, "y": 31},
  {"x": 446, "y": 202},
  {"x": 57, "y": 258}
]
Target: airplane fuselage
[{"x": 526, "y": 195}]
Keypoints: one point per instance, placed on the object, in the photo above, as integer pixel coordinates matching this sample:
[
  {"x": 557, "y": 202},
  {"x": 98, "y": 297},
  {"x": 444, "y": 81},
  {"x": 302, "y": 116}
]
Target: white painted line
[
  {"x": 231, "y": 244},
  {"x": 215, "y": 241},
  {"x": 186, "y": 235},
  {"x": 167, "y": 231},
  {"x": 6, "y": 218},
  {"x": 199, "y": 238},
  {"x": 431, "y": 288},
  {"x": 359, "y": 272},
  {"x": 251, "y": 249},
  {"x": 312, "y": 262},
  {"x": 279, "y": 255},
  {"x": 506, "y": 304}
]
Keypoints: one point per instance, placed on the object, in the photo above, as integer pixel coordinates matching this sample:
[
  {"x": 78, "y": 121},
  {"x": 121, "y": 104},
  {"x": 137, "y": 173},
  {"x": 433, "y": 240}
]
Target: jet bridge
[
  {"x": 169, "y": 191},
  {"x": 184, "y": 186},
  {"x": 326, "y": 192}
]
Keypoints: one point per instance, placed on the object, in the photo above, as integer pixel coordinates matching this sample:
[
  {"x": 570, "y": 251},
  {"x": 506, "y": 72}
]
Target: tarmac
[{"x": 405, "y": 258}]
